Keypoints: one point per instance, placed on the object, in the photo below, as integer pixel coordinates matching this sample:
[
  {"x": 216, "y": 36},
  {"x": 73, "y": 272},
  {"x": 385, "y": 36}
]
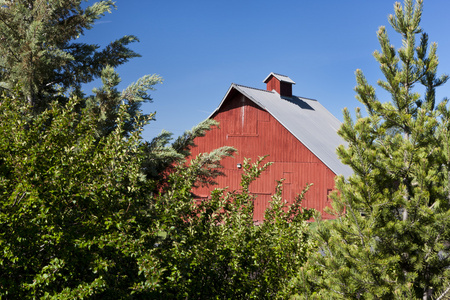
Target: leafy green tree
[
  {"x": 391, "y": 236},
  {"x": 71, "y": 205}
]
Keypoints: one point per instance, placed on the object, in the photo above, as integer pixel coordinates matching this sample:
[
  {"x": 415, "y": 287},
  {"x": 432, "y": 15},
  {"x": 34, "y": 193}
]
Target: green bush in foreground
[{"x": 71, "y": 205}]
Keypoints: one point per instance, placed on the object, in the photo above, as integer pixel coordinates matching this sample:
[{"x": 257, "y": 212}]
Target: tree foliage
[
  {"x": 390, "y": 239},
  {"x": 40, "y": 53},
  {"x": 70, "y": 204},
  {"x": 38, "y": 50}
]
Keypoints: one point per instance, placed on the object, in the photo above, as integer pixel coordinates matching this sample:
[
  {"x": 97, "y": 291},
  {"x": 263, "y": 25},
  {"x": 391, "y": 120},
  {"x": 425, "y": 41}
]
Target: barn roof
[
  {"x": 279, "y": 77},
  {"x": 313, "y": 125}
]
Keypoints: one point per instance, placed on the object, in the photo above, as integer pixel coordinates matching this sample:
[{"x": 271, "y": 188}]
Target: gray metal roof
[
  {"x": 279, "y": 77},
  {"x": 313, "y": 125}
]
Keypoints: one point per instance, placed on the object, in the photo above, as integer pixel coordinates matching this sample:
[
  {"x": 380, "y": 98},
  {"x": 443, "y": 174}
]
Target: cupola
[{"x": 279, "y": 83}]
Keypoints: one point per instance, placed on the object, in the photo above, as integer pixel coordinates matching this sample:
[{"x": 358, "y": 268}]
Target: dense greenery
[
  {"x": 71, "y": 205},
  {"x": 88, "y": 210}
]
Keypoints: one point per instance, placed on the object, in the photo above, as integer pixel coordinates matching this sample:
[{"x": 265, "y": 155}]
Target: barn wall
[{"x": 254, "y": 132}]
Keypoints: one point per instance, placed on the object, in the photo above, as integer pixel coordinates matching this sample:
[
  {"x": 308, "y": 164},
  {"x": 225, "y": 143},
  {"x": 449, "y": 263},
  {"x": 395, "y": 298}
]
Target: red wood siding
[
  {"x": 254, "y": 132},
  {"x": 273, "y": 84}
]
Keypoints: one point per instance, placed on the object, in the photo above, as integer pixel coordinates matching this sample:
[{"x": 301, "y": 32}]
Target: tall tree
[
  {"x": 39, "y": 52},
  {"x": 391, "y": 236},
  {"x": 38, "y": 49}
]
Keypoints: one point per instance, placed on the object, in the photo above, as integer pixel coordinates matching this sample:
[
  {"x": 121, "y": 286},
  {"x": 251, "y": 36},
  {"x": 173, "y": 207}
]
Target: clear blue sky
[{"x": 201, "y": 47}]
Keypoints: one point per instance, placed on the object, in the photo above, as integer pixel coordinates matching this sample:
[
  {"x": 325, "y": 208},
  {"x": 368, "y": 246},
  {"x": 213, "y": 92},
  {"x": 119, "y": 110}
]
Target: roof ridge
[
  {"x": 280, "y": 74},
  {"x": 253, "y": 88}
]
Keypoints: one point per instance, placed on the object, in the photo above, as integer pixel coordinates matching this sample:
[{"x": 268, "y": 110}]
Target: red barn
[{"x": 299, "y": 135}]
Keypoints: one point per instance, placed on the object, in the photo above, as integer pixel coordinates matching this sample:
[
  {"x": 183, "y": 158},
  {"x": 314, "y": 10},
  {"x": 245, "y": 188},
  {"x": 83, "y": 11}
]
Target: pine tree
[
  {"x": 38, "y": 49},
  {"x": 390, "y": 238},
  {"x": 40, "y": 54}
]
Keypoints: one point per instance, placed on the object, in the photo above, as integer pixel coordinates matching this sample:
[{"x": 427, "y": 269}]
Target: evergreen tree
[
  {"x": 40, "y": 54},
  {"x": 38, "y": 49},
  {"x": 104, "y": 105},
  {"x": 391, "y": 236}
]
